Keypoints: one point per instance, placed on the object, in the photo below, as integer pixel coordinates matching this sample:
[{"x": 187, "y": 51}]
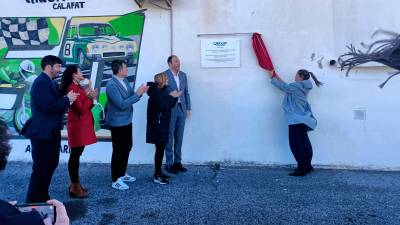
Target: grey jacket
[
  {"x": 295, "y": 105},
  {"x": 120, "y": 101}
]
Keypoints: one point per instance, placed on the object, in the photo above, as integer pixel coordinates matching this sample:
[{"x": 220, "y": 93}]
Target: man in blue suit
[
  {"x": 173, "y": 150},
  {"x": 121, "y": 97},
  {"x": 48, "y": 107}
]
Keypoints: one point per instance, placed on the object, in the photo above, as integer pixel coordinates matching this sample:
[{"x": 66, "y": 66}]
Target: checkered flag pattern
[{"x": 24, "y": 31}]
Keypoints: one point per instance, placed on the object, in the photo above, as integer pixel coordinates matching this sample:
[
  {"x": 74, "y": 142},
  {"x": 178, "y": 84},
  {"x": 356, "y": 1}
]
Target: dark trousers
[
  {"x": 300, "y": 145},
  {"x": 45, "y": 156},
  {"x": 121, "y": 138},
  {"x": 158, "y": 158},
  {"x": 73, "y": 163}
]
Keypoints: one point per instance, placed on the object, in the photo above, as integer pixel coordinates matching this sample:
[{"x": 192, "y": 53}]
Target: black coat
[
  {"x": 158, "y": 114},
  {"x": 9, "y": 215}
]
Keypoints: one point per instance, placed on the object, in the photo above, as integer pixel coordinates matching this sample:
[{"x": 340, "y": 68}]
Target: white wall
[{"x": 236, "y": 114}]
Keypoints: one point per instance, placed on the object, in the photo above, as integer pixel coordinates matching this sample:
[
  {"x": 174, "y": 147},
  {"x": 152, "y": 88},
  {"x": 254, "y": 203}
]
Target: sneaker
[
  {"x": 179, "y": 167},
  {"x": 128, "y": 178},
  {"x": 171, "y": 170},
  {"x": 119, "y": 184},
  {"x": 160, "y": 180}
]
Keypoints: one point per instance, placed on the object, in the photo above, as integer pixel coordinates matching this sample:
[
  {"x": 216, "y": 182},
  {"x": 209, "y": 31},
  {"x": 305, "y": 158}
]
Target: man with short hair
[
  {"x": 48, "y": 106},
  {"x": 181, "y": 111},
  {"x": 121, "y": 97}
]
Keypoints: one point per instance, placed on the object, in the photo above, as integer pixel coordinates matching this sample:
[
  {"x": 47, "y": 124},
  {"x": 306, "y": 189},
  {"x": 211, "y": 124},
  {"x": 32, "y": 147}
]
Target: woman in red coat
[{"x": 79, "y": 125}]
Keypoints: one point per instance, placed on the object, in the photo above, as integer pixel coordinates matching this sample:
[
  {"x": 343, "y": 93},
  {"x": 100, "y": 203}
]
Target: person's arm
[
  {"x": 187, "y": 95},
  {"x": 281, "y": 85},
  {"x": 82, "y": 104},
  {"x": 31, "y": 218},
  {"x": 114, "y": 96},
  {"x": 48, "y": 103},
  {"x": 164, "y": 101},
  {"x": 10, "y": 215}
]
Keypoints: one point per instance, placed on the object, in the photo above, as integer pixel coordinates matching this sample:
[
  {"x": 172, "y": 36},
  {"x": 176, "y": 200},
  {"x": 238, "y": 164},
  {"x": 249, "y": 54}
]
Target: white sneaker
[
  {"x": 120, "y": 184},
  {"x": 128, "y": 178}
]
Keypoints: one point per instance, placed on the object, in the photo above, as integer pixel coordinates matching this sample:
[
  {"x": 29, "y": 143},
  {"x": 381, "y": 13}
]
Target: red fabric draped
[{"x": 262, "y": 53}]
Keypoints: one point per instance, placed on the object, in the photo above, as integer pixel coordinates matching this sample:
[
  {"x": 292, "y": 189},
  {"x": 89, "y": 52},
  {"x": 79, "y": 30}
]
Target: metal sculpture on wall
[{"x": 385, "y": 51}]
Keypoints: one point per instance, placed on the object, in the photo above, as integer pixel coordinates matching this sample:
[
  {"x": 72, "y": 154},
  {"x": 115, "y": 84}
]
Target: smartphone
[{"x": 45, "y": 210}]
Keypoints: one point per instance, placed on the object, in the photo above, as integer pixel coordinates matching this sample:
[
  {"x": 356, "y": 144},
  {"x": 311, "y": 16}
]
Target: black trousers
[
  {"x": 73, "y": 163},
  {"x": 45, "y": 156},
  {"x": 300, "y": 145},
  {"x": 121, "y": 138},
  {"x": 158, "y": 158}
]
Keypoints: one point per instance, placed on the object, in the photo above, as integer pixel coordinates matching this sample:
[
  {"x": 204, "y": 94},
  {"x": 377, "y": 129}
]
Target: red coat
[{"x": 80, "y": 119}]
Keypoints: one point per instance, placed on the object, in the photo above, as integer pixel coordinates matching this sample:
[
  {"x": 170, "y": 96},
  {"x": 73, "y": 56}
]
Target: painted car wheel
[{"x": 20, "y": 118}]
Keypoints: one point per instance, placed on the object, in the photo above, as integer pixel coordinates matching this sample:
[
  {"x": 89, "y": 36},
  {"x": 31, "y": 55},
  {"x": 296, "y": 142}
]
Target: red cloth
[
  {"x": 262, "y": 53},
  {"x": 80, "y": 119}
]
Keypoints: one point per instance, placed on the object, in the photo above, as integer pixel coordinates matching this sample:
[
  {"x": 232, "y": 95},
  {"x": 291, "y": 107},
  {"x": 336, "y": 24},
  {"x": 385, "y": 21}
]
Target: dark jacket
[
  {"x": 10, "y": 215},
  {"x": 48, "y": 106},
  {"x": 158, "y": 113}
]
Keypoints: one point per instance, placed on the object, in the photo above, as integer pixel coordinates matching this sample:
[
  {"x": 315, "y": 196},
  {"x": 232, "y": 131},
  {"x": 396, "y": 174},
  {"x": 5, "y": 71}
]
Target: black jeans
[
  {"x": 300, "y": 145},
  {"x": 158, "y": 158},
  {"x": 73, "y": 163},
  {"x": 45, "y": 156},
  {"x": 121, "y": 138}
]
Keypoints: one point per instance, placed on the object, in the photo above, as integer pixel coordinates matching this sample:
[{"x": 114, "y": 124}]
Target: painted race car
[{"x": 88, "y": 42}]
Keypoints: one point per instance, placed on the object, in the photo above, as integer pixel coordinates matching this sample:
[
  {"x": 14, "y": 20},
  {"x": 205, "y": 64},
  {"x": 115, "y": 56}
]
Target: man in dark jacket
[{"x": 48, "y": 108}]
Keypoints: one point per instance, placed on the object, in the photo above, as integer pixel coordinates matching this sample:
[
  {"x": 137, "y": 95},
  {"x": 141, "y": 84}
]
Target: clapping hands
[
  {"x": 142, "y": 89},
  {"x": 175, "y": 93}
]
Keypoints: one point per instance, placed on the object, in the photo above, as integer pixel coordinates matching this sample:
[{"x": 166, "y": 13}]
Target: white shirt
[
  {"x": 176, "y": 77},
  {"x": 121, "y": 80}
]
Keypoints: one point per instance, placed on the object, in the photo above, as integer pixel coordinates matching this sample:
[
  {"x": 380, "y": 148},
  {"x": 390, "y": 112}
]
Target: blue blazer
[
  {"x": 183, "y": 86},
  {"x": 48, "y": 106},
  {"x": 120, "y": 101}
]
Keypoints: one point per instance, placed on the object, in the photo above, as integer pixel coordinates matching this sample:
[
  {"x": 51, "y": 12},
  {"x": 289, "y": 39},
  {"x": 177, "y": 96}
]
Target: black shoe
[
  {"x": 298, "y": 173},
  {"x": 165, "y": 176},
  {"x": 179, "y": 167},
  {"x": 171, "y": 170},
  {"x": 308, "y": 170},
  {"x": 159, "y": 179}
]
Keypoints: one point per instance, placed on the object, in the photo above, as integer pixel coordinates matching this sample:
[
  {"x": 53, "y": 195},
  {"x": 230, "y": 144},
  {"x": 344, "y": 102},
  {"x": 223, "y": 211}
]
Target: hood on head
[{"x": 307, "y": 84}]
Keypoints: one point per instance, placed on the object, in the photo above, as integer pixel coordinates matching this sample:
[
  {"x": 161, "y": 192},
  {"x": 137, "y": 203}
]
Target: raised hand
[
  {"x": 72, "y": 96},
  {"x": 92, "y": 93},
  {"x": 62, "y": 216},
  {"x": 142, "y": 89},
  {"x": 175, "y": 93}
]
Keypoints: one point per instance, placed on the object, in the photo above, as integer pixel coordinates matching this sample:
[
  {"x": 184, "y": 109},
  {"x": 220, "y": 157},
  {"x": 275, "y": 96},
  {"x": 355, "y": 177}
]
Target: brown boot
[{"x": 76, "y": 191}]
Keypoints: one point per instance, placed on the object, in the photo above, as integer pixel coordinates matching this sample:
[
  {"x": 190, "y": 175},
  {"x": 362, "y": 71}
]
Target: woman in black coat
[{"x": 158, "y": 117}]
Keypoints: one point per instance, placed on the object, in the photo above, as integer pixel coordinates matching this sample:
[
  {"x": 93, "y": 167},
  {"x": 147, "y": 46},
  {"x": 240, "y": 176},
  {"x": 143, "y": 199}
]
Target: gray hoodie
[{"x": 295, "y": 105}]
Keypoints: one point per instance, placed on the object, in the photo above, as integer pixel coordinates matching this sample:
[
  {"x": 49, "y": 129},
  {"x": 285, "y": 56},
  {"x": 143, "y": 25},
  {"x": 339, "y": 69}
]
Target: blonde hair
[{"x": 161, "y": 79}]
